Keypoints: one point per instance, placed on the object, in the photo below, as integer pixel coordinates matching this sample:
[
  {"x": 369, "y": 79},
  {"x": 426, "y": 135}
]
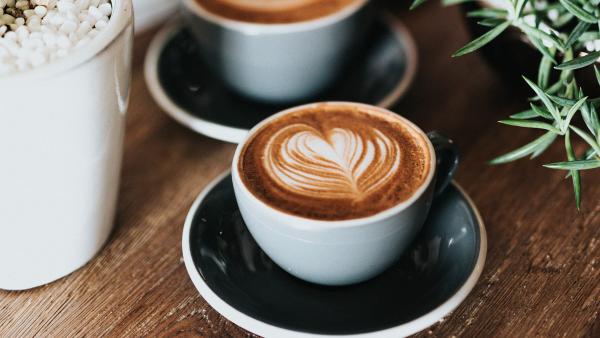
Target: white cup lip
[
  {"x": 254, "y": 28},
  {"x": 120, "y": 19},
  {"x": 316, "y": 224}
]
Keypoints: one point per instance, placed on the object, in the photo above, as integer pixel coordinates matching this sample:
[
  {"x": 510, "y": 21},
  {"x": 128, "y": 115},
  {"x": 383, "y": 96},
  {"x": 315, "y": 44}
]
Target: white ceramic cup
[
  {"x": 150, "y": 13},
  {"x": 61, "y": 140},
  {"x": 348, "y": 251},
  {"x": 278, "y": 62}
]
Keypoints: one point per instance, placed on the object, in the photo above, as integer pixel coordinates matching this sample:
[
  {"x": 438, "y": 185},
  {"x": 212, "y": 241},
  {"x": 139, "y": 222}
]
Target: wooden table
[{"x": 542, "y": 276}]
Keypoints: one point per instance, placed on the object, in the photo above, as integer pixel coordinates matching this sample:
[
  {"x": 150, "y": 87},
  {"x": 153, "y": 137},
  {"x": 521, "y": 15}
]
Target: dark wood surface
[{"x": 542, "y": 276}]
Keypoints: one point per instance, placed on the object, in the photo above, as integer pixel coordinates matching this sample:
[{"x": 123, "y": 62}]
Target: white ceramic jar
[{"x": 61, "y": 141}]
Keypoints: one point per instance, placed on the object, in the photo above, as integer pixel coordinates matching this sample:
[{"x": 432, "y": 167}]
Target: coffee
[
  {"x": 274, "y": 11},
  {"x": 335, "y": 161}
]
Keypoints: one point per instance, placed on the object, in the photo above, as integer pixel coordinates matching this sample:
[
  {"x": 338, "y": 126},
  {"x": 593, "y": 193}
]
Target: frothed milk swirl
[
  {"x": 335, "y": 162},
  {"x": 274, "y": 11},
  {"x": 340, "y": 163}
]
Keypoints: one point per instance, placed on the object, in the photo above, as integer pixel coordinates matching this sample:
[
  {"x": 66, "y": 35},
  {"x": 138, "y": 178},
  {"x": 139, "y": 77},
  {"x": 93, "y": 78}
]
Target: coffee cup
[
  {"x": 277, "y": 59},
  {"x": 335, "y": 193}
]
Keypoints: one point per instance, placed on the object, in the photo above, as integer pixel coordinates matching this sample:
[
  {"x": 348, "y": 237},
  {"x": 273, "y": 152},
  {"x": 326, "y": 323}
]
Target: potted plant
[
  {"x": 524, "y": 57},
  {"x": 564, "y": 37}
]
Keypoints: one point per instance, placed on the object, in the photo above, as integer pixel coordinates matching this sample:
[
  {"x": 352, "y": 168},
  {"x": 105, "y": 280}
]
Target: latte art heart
[
  {"x": 334, "y": 161},
  {"x": 338, "y": 164}
]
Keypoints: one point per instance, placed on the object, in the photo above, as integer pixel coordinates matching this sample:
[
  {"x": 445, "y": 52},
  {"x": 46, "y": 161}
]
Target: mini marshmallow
[{"x": 46, "y": 30}]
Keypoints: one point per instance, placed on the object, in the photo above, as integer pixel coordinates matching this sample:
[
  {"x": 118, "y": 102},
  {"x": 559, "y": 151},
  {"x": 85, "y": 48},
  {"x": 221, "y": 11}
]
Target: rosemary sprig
[{"x": 556, "y": 106}]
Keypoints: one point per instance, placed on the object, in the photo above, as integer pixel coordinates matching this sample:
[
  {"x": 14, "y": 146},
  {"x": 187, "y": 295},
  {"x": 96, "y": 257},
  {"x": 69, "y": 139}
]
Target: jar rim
[{"x": 121, "y": 18}]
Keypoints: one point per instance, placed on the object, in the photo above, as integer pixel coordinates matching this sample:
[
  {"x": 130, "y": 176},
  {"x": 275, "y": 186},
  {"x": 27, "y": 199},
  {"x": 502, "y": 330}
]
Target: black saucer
[
  {"x": 381, "y": 73},
  {"x": 244, "y": 285}
]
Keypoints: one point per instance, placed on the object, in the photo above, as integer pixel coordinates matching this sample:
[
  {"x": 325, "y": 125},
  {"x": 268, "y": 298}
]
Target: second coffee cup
[{"x": 277, "y": 51}]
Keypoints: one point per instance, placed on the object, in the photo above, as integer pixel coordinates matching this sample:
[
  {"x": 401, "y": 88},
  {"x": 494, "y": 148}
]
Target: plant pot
[{"x": 512, "y": 56}]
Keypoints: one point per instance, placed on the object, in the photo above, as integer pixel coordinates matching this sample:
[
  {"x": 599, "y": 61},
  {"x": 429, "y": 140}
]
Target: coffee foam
[
  {"x": 334, "y": 162},
  {"x": 274, "y": 11}
]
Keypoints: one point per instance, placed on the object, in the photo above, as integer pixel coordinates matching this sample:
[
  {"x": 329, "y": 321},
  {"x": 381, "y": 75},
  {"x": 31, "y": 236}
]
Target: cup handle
[{"x": 447, "y": 160}]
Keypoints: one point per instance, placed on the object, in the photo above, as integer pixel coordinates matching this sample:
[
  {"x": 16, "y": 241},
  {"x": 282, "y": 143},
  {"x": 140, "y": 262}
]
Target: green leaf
[
  {"x": 574, "y": 173},
  {"x": 520, "y": 4},
  {"x": 482, "y": 40},
  {"x": 547, "y": 102},
  {"x": 539, "y": 45},
  {"x": 454, "y": 2},
  {"x": 562, "y": 101},
  {"x": 589, "y": 154},
  {"x": 589, "y": 36},
  {"x": 542, "y": 147},
  {"x": 541, "y": 112},
  {"x": 575, "y": 165},
  {"x": 571, "y": 92},
  {"x": 590, "y": 117},
  {"x": 587, "y": 138},
  {"x": 587, "y": 6},
  {"x": 597, "y": 71},
  {"x": 578, "y": 11},
  {"x": 416, "y": 4},
  {"x": 488, "y": 13},
  {"x": 524, "y": 150},
  {"x": 580, "y": 62},
  {"x": 539, "y": 34},
  {"x": 595, "y": 122},
  {"x": 577, "y": 32},
  {"x": 544, "y": 72},
  {"x": 490, "y": 22},
  {"x": 571, "y": 113},
  {"x": 555, "y": 88},
  {"x": 564, "y": 111},
  {"x": 531, "y": 124},
  {"x": 563, "y": 20},
  {"x": 567, "y": 75},
  {"x": 524, "y": 115}
]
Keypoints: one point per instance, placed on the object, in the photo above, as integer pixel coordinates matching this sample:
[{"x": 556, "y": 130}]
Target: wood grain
[{"x": 542, "y": 273}]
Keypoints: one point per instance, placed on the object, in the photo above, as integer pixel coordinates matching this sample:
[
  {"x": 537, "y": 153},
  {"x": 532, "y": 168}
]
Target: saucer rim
[
  {"x": 179, "y": 114},
  {"x": 235, "y": 135},
  {"x": 268, "y": 330}
]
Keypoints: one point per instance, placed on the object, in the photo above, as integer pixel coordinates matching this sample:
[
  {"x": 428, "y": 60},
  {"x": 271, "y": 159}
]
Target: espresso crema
[
  {"x": 335, "y": 162},
  {"x": 274, "y": 11}
]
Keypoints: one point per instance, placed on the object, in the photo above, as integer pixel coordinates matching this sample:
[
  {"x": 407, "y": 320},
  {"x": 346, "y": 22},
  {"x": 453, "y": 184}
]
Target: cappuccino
[
  {"x": 275, "y": 11},
  {"x": 335, "y": 161}
]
